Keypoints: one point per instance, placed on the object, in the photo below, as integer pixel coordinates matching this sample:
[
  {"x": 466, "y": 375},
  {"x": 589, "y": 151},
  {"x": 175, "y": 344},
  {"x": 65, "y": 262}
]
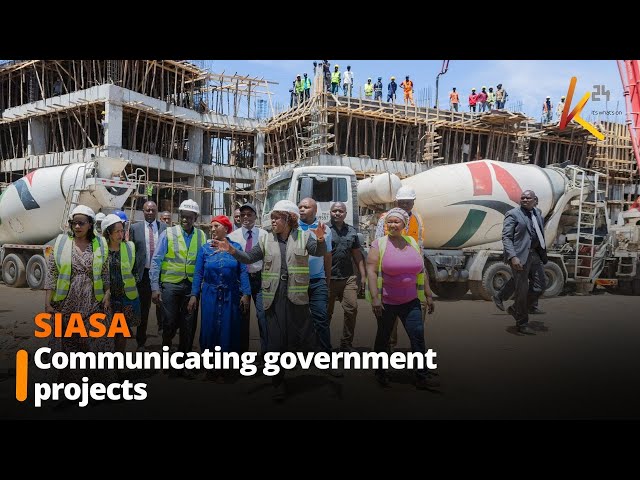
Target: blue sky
[{"x": 528, "y": 82}]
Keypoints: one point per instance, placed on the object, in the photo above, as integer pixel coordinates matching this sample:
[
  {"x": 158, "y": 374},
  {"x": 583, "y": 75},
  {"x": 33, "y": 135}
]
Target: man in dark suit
[
  {"x": 535, "y": 283},
  {"x": 524, "y": 250},
  {"x": 145, "y": 235}
]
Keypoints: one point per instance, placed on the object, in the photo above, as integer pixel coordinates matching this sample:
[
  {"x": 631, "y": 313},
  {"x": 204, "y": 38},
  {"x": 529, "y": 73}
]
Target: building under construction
[{"x": 201, "y": 135}]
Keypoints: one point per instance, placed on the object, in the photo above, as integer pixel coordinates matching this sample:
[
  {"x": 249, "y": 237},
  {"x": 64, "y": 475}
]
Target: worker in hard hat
[
  {"x": 306, "y": 85},
  {"x": 98, "y": 227},
  {"x": 397, "y": 284},
  {"x": 491, "y": 99},
  {"x": 368, "y": 90},
  {"x": 145, "y": 236},
  {"x": 348, "y": 81},
  {"x": 560, "y": 108},
  {"x": 407, "y": 86},
  {"x": 125, "y": 221},
  {"x": 377, "y": 89},
  {"x": 285, "y": 284},
  {"x": 171, "y": 276},
  {"x": 124, "y": 292},
  {"x": 298, "y": 87},
  {"x": 547, "y": 110},
  {"x": 405, "y": 199},
  {"x": 473, "y": 100},
  {"x": 392, "y": 88},
  {"x": 77, "y": 281},
  {"x": 335, "y": 79},
  {"x": 501, "y": 97}
]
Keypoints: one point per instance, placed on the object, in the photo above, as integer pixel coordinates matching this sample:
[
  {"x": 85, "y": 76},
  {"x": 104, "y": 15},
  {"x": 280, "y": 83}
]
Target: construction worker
[
  {"x": 491, "y": 99},
  {"x": 407, "y": 85},
  {"x": 347, "y": 82},
  {"x": 377, "y": 89},
  {"x": 405, "y": 199},
  {"x": 99, "y": 218},
  {"x": 299, "y": 88},
  {"x": 306, "y": 85},
  {"x": 392, "y": 87},
  {"x": 482, "y": 100},
  {"x": 125, "y": 221},
  {"x": 335, "y": 79},
  {"x": 368, "y": 90},
  {"x": 501, "y": 97},
  {"x": 171, "y": 276},
  {"x": 547, "y": 110},
  {"x": 473, "y": 99},
  {"x": 454, "y": 100},
  {"x": 560, "y": 108},
  {"x": 326, "y": 71}
]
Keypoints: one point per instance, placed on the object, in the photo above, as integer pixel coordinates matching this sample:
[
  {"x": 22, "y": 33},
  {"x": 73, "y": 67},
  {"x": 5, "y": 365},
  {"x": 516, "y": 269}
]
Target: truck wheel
[
  {"x": 495, "y": 275},
  {"x": 450, "y": 290},
  {"x": 554, "y": 280},
  {"x": 36, "y": 272},
  {"x": 13, "y": 271}
]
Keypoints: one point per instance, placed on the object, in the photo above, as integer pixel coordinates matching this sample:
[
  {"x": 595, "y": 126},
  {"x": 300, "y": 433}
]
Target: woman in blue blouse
[{"x": 224, "y": 285}]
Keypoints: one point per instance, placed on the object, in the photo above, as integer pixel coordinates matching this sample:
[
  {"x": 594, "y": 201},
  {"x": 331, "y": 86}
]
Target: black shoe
[
  {"x": 498, "y": 303},
  {"x": 525, "y": 330},
  {"x": 536, "y": 311},
  {"x": 424, "y": 383}
]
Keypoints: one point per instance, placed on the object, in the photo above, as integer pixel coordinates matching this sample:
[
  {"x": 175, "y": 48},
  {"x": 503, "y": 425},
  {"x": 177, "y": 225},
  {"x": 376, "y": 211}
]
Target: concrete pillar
[
  {"x": 196, "y": 142},
  {"x": 36, "y": 137},
  {"x": 113, "y": 125}
]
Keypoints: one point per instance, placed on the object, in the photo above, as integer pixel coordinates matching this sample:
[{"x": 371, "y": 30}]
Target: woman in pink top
[{"x": 395, "y": 285}]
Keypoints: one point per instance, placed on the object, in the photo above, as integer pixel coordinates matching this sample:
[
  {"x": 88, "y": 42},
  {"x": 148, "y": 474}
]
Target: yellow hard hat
[
  {"x": 393, "y": 78},
  {"x": 336, "y": 65},
  {"x": 563, "y": 97}
]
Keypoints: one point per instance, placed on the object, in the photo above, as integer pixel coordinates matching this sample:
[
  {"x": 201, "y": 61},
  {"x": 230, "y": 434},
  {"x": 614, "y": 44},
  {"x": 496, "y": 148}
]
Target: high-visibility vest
[
  {"x": 180, "y": 263},
  {"x": 62, "y": 252},
  {"x": 127, "y": 260},
  {"x": 297, "y": 258},
  {"x": 382, "y": 246},
  {"x": 335, "y": 77},
  {"x": 368, "y": 89}
]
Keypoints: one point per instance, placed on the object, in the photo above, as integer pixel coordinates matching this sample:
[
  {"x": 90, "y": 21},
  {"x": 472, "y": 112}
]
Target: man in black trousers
[
  {"x": 524, "y": 250},
  {"x": 145, "y": 235}
]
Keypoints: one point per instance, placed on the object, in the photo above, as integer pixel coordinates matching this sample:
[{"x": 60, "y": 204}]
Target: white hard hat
[
  {"x": 100, "y": 217},
  {"x": 189, "y": 206},
  {"x": 110, "y": 220},
  {"x": 286, "y": 206},
  {"x": 406, "y": 193},
  {"x": 82, "y": 210}
]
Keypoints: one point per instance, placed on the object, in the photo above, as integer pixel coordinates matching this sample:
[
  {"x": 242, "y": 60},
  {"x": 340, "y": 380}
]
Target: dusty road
[{"x": 583, "y": 363}]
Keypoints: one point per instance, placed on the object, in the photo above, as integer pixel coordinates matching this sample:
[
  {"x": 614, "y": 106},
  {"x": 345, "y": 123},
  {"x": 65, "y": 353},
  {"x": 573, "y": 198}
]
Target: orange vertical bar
[{"x": 22, "y": 361}]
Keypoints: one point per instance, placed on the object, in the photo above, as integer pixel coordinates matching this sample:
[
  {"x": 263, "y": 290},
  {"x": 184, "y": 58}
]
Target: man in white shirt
[
  {"x": 248, "y": 236},
  {"x": 347, "y": 81}
]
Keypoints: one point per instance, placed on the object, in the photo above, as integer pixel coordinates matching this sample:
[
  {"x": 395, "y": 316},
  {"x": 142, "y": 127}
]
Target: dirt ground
[{"x": 583, "y": 363}]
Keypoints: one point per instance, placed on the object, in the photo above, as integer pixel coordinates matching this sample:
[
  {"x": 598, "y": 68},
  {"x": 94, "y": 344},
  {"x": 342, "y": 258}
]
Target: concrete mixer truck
[
  {"x": 462, "y": 207},
  {"x": 35, "y": 209}
]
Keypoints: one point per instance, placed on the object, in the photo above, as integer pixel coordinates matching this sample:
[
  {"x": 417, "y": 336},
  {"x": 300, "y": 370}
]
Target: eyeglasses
[{"x": 79, "y": 223}]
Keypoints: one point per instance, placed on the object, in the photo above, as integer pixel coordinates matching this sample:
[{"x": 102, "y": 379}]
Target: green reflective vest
[
  {"x": 335, "y": 77},
  {"x": 382, "y": 246},
  {"x": 62, "y": 252},
  {"x": 368, "y": 89},
  {"x": 127, "y": 260},
  {"x": 180, "y": 263},
  {"x": 297, "y": 258}
]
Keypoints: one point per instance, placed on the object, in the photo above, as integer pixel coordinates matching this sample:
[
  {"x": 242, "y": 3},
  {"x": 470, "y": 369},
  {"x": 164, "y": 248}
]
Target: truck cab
[{"x": 325, "y": 184}]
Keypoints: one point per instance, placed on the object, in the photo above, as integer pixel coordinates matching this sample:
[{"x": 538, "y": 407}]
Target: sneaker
[{"x": 498, "y": 303}]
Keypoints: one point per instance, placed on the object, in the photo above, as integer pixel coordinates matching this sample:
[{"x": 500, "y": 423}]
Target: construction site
[{"x": 189, "y": 132}]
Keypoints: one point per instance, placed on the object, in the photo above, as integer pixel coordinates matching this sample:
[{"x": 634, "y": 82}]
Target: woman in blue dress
[{"x": 223, "y": 285}]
